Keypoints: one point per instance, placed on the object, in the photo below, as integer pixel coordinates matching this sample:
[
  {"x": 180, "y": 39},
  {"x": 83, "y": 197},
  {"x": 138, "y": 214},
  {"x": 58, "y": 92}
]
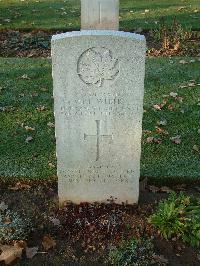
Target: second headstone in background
[{"x": 100, "y": 14}]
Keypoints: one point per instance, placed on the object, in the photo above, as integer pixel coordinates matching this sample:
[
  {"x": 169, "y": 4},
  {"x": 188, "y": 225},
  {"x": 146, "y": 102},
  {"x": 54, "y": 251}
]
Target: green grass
[
  {"x": 163, "y": 162},
  {"x": 65, "y": 15}
]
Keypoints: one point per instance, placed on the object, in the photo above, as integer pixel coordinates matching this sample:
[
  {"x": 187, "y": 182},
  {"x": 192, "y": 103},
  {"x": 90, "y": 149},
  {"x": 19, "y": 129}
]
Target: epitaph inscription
[{"x": 96, "y": 65}]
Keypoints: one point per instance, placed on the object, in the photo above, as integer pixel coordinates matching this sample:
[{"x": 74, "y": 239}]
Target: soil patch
[
  {"x": 37, "y": 44},
  {"x": 85, "y": 233}
]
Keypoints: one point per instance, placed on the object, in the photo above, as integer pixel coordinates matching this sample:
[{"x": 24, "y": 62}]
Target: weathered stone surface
[
  {"x": 100, "y": 14},
  {"x": 98, "y": 92}
]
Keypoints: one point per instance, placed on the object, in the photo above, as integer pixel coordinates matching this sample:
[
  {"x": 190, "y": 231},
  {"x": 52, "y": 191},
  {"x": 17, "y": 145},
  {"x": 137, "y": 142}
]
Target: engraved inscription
[
  {"x": 92, "y": 106},
  {"x": 100, "y": 174},
  {"x": 96, "y": 65},
  {"x": 98, "y": 137}
]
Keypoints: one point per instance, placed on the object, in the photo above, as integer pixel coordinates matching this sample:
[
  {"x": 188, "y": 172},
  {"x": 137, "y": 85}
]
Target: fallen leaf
[
  {"x": 34, "y": 94},
  {"x": 146, "y": 131},
  {"x": 157, "y": 140},
  {"x": 31, "y": 252},
  {"x": 176, "y": 139},
  {"x": 10, "y": 253},
  {"x": 51, "y": 165},
  {"x": 7, "y": 20},
  {"x": 40, "y": 108},
  {"x": 157, "y": 107},
  {"x": 183, "y": 86},
  {"x": 183, "y": 62},
  {"x": 44, "y": 89},
  {"x": 170, "y": 107},
  {"x": 173, "y": 94},
  {"x": 166, "y": 189},
  {"x": 196, "y": 148},
  {"x": 162, "y": 122},
  {"x": 20, "y": 185},
  {"x": 182, "y": 111},
  {"x": 154, "y": 140},
  {"x": 48, "y": 242},
  {"x": 160, "y": 130},
  {"x": 150, "y": 139},
  {"x": 29, "y": 139},
  {"x": 25, "y": 76},
  {"x": 29, "y": 128},
  {"x": 180, "y": 99},
  {"x": 50, "y": 124},
  {"x": 181, "y": 8},
  {"x": 3, "y": 206},
  {"x": 7, "y": 220}
]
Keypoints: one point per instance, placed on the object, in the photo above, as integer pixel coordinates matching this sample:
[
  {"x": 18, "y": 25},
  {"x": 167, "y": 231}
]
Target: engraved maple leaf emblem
[{"x": 96, "y": 65}]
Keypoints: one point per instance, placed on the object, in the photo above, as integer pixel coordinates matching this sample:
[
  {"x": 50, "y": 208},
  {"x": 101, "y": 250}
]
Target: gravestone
[
  {"x": 100, "y": 14},
  {"x": 98, "y": 78}
]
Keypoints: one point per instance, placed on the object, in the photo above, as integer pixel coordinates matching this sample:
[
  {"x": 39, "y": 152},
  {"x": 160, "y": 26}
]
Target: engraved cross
[{"x": 98, "y": 137}]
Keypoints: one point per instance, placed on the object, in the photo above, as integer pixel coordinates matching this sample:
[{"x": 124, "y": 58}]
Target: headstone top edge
[{"x": 112, "y": 33}]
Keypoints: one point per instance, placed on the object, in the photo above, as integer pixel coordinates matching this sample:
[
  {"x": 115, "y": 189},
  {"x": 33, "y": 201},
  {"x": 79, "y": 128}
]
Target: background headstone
[
  {"x": 98, "y": 91},
  {"x": 100, "y": 14}
]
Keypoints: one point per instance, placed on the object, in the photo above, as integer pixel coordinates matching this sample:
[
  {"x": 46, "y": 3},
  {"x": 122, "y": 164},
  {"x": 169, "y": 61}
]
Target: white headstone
[
  {"x": 100, "y": 14},
  {"x": 98, "y": 91}
]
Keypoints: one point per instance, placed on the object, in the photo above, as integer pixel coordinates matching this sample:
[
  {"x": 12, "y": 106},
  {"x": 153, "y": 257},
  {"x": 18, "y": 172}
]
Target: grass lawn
[
  {"x": 26, "y": 108},
  {"x": 65, "y": 15}
]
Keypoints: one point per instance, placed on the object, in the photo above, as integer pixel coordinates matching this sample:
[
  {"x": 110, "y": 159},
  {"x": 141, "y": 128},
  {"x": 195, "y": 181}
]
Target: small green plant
[
  {"x": 13, "y": 226},
  {"x": 132, "y": 253},
  {"x": 179, "y": 216}
]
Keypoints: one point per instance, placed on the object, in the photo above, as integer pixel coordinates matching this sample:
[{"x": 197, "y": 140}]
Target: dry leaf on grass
[
  {"x": 40, "y": 108},
  {"x": 31, "y": 252},
  {"x": 173, "y": 94},
  {"x": 183, "y": 62},
  {"x": 196, "y": 148},
  {"x": 10, "y": 253},
  {"x": 160, "y": 130},
  {"x": 50, "y": 124},
  {"x": 29, "y": 139},
  {"x": 29, "y": 128},
  {"x": 150, "y": 139},
  {"x": 48, "y": 242},
  {"x": 154, "y": 140},
  {"x": 176, "y": 139},
  {"x": 162, "y": 122},
  {"x": 157, "y": 107},
  {"x": 51, "y": 165},
  {"x": 25, "y": 76}
]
